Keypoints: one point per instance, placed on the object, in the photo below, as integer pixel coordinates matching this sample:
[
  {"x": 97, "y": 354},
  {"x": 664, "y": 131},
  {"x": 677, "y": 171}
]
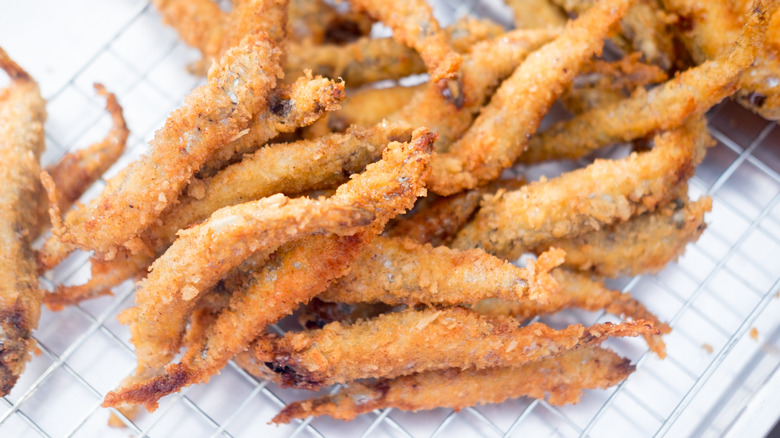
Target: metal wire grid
[{"x": 725, "y": 285}]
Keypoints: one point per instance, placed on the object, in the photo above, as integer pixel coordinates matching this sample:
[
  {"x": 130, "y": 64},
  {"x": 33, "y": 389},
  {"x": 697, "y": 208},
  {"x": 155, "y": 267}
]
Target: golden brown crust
[
  {"x": 578, "y": 290},
  {"x": 531, "y": 14},
  {"x": 560, "y": 380},
  {"x": 212, "y": 115},
  {"x": 492, "y": 144},
  {"x": 390, "y": 345},
  {"x": 603, "y": 193},
  {"x": 22, "y": 114},
  {"x": 689, "y": 94},
  {"x": 413, "y": 25},
  {"x": 400, "y": 271},
  {"x": 644, "y": 244},
  {"x": 301, "y": 269}
]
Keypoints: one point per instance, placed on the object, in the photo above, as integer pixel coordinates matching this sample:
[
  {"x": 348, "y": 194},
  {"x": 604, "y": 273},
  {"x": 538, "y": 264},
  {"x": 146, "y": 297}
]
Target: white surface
[{"x": 722, "y": 287}]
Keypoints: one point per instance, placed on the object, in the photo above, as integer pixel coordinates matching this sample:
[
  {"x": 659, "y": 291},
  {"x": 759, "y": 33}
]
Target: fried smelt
[
  {"x": 400, "y": 271},
  {"x": 391, "y": 345},
  {"x": 644, "y": 244},
  {"x": 531, "y": 14},
  {"x": 709, "y": 30},
  {"x": 414, "y": 25},
  {"x": 296, "y": 272},
  {"x": 561, "y": 380},
  {"x": 277, "y": 167},
  {"x": 687, "y": 95},
  {"x": 22, "y": 114},
  {"x": 170, "y": 291},
  {"x": 76, "y": 171},
  {"x": 583, "y": 200},
  {"x": 578, "y": 290},
  {"x": 501, "y": 131},
  {"x": 290, "y": 107},
  {"x": 211, "y": 116},
  {"x": 368, "y": 60},
  {"x": 602, "y": 83}
]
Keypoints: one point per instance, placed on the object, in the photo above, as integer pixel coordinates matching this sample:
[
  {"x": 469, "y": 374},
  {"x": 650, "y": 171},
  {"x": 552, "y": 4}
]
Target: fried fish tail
[
  {"x": 492, "y": 143},
  {"x": 577, "y": 290},
  {"x": 561, "y": 380},
  {"x": 76, "y": 171},
  {"x": 22, "y": 114}
]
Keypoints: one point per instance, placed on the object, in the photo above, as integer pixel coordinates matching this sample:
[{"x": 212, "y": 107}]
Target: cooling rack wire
[{"x": 715, "y": 381}]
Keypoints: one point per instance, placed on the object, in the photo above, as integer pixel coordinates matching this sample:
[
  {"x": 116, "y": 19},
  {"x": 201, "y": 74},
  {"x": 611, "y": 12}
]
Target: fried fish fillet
[
  {"x": 501, "y": 131},
  {"x": 689, "y": 94},
  {"x": 400, "y": 271},
  {"x": 583, "y": 200},
  {"x": 560, "y": 380},
  {"x": 22, "y": 114},
  {"x": 391, "y": 345},
  {"x": 295, "y": 274}
]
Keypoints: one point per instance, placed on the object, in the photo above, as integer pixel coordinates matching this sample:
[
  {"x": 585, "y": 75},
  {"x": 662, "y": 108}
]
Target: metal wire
[{"x": 26, "y": 411}]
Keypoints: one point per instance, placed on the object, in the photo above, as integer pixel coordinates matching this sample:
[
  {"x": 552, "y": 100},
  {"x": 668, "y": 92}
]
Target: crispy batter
[
  {"x": 687, "y": 95},
  {"x": 644, "y": 244},
  {"x": 437, "y": 221},
  {"x": 276, "y": 168},
  {"x": 76, "y": 171},
  {"x": 368, "y": 60},
  {"x": 296, "y": 273},
  {"x": 363, "y": 107},
  {"x": 583, "y": 200},
  {"x": 603, "y": 83},
  {"x": 493, "y": 143},
  {"x": 169, "y": 293},
  {"x": 560, "y": 380},
  {"x": 400, "y": 271},
  {"x": 577, "y": 290},
  {"x": 644, "y": 29},
  {"x": 289, "y": 108},
  {"x": 390, "y": 345},
  {"x": 317, "y": 22},
  {"x": 211, "y": 116},
  {"x": 22, "y": 114},
  {"x": 413, "y": 25},
  {"x": 530, "y": 14}
]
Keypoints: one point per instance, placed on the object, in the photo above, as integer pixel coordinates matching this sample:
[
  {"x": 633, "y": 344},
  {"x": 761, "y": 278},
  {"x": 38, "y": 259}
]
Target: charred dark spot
[
  {"x": 315, "y": 324},
  {"x": 452, "y": 91},
  {"x": 280, "y": 107},
  {"x": 756, "y": 99},
  {"x": 342, "y": 31},
  {"x": 172, "y": 381},
  {"x": 14, "y": 316},
  {"x": 382, "y": 386},
  {"x": 685, "y": 23},
  {"x": 292, "y": 377},
  {"x": 318, "y": 108}
]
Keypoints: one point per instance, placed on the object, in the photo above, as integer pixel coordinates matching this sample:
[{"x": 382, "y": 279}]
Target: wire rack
[{"x": 726, "y": 285}]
